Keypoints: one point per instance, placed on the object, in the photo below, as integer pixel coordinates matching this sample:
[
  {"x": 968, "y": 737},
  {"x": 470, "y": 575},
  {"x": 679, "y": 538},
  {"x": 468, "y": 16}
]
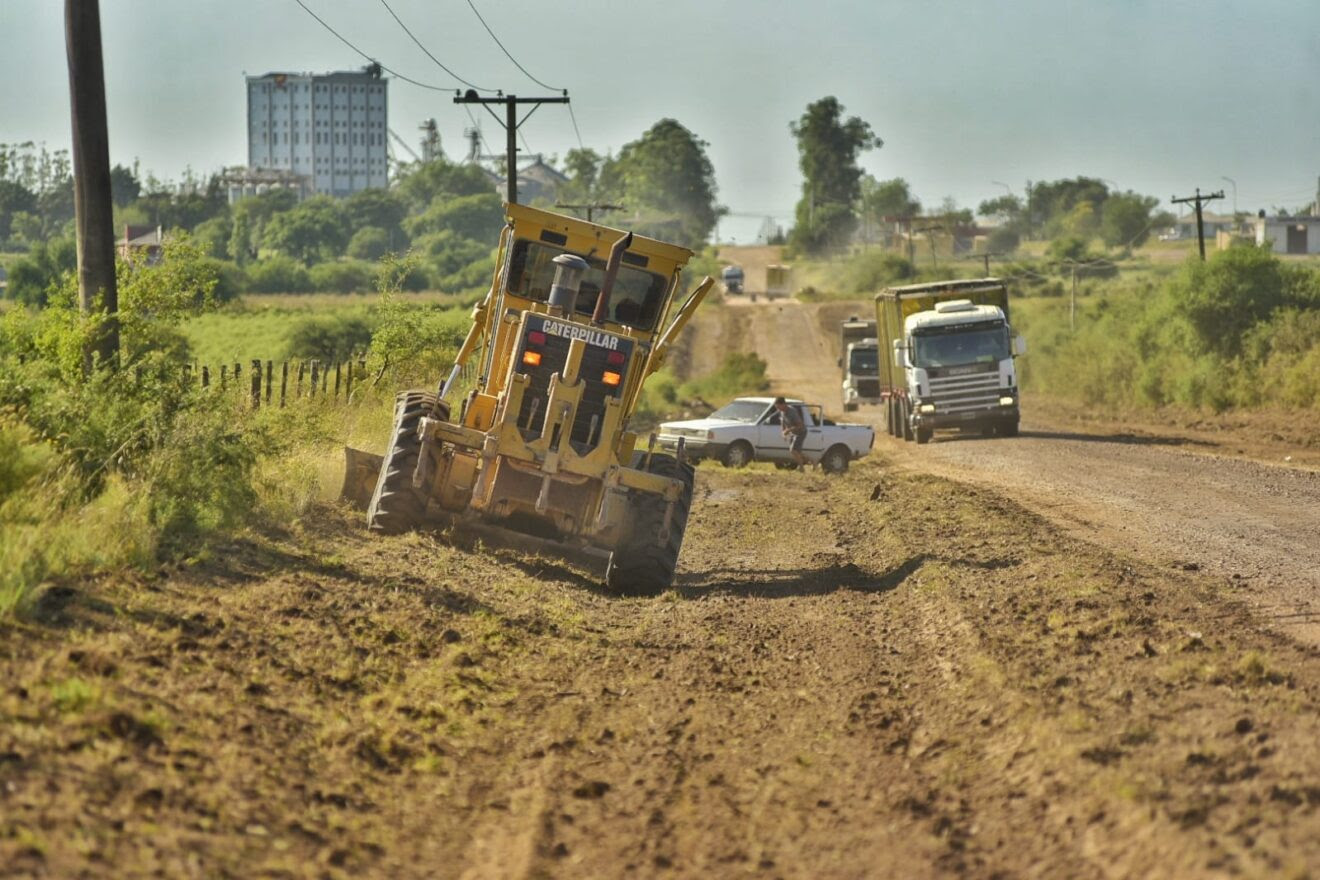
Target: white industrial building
[
  {"x": 329, "y": 128},
  {"x": 1289, "y": 235}
]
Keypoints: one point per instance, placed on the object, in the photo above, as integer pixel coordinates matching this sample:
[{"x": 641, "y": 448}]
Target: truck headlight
[
  {"x": 1007, "y": 401},
  {"x": 926, "y": 408}
]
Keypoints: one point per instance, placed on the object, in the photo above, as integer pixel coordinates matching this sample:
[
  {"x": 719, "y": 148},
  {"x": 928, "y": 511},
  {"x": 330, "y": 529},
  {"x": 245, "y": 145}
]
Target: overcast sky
[{"x": 1160, "y": 96}]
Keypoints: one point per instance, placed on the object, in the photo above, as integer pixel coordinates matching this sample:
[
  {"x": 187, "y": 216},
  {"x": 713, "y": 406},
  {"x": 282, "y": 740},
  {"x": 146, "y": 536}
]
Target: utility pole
[
  {"x": 594, "y": 206},
  {"x": 93, "y": 208},
  {"x": 1199, "y": 200},
  {"x": 511, "y": 123}
]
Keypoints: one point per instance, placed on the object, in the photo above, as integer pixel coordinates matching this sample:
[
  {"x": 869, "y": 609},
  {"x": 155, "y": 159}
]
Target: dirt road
[{"x": 1171, "y": 498}]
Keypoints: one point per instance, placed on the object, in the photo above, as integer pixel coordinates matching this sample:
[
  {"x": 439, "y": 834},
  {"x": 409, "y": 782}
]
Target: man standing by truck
[{"x": 794, "y": 430}]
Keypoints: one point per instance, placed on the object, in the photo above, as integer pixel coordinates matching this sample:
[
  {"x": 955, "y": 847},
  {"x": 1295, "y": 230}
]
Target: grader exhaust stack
[{"x": 541, "y": 451}]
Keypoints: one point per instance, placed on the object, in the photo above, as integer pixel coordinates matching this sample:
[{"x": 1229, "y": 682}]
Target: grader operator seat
[{"x": 564, "y": 339}]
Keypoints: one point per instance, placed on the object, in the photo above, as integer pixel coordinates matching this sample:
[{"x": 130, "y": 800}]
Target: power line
[
  {"x": 388, "y": 70},
  {"x": 573, "y": 117},
  {"x": 473, "y": 7},
  {"x": 395, "y": 16}
]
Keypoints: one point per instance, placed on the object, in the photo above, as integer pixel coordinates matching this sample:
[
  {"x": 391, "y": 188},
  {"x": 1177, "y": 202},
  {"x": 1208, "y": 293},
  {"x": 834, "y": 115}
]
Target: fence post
[
  {"x": 325, "y": 378},
  {"x": 284, "y": 382},
  {"x": 256, "y": 384},
  {"x": 338, "y": 367},
  {"x": 348, "y": 380},
  {"x": 302, "y": 369},
  {"x": 224, "y": 376},
  {"x": 206, "y": 376},
  {"x": 270, "y": 376},
  {"x": 316, "y": 375},
  {"x": 237, "y": 369}
]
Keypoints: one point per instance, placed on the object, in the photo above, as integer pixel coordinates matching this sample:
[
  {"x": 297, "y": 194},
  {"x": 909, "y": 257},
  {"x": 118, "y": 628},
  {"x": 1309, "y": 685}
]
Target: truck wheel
[
  {"x": 1009, "y": 428},
  {"x": 924, "y": 435},
  {"x": 835, "y": 460},
  {"x": 889, "y": 416},
  {"x": 739, "y": 454},
  {"x": 906, "y": 413},
  {"x": 641, "y": 565},
  {"x": 395, "y": 505}
]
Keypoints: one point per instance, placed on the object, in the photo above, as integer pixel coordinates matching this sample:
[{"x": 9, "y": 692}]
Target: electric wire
[
  {"x": 473, "y": 7},
  {"x": 413, "y": 36},
  {"x": 388, "y": 70},
  {"x": 573, "y": 116}
]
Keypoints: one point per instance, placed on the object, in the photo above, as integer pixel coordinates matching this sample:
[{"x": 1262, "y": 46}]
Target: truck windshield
[
  {"x": 956, "y": 346},
  {"x": 740, "y": 411},
  {"x": 636, "y": 301},
  {"x": 864, "y": 362}
]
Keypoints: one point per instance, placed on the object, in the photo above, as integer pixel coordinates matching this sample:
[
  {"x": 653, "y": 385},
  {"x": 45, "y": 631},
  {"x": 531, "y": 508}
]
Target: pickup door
[{"x": 772, "y": 445}]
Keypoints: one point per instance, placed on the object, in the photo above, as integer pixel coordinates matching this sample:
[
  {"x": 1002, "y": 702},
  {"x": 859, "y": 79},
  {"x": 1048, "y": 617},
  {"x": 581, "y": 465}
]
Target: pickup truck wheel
[
  {"x": 835, "y": 460},
  {"x": 739, "y": 454},
  {"x": 923, "y": 435},
  {"x": 642, "y": 565},
  {"x": 395, "y": 505},
  {"x": 906, "y": 413}
]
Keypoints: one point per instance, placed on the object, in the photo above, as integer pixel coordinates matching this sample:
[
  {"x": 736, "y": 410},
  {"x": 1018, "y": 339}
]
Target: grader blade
[{"x": 361, "y": 470}]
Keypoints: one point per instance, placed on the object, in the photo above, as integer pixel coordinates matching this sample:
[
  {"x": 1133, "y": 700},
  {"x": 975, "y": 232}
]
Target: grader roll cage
[{"x": 540, "y": 455}]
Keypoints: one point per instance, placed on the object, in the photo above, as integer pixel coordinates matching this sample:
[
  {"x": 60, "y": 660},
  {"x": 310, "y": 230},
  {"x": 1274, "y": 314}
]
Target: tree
[
  {"x": 886, "y": 200},
  {"x": 477, "y": 217},
  {"x": 250, "y": 218},
  {"x": 124, "y": 186},
  {"x": 378, "y": 208},
  {"x": 828, "y": 149},
  {"x": 369, "y": 243},
  {"x": 309, "y": 230},
  {"x": 667, "y": 181},
  {"x": 1050, "y": 203},
  {"x": 582, "y": 166},
  {"x": 423, "y": 184},
  {"x": 14, "y": 199},
  {"x": 1006, "y": 207},
  {"x": 1126, "y": 219},
  {"x": 1234, "y": 291}
]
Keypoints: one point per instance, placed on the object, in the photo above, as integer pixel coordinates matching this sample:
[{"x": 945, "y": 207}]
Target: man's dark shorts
[{"x": 795, "y": 443}]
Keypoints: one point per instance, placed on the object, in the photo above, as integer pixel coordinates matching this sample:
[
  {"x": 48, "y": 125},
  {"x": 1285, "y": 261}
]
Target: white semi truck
[{"x": 949, "y": 358}]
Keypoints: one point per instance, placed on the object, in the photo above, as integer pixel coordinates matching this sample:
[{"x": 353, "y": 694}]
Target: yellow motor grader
[{"x": 577, "y": 317}]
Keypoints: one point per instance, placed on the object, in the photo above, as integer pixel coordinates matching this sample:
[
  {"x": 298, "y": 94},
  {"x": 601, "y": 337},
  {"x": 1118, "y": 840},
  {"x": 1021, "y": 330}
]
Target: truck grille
[
  {"x": 965, "y": 393},
  {"x": 868, "y": 387},
  {"x": 554, "y": 353}
]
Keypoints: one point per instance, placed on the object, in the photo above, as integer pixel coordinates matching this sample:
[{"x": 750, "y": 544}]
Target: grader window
[{"x": 637, "y": 301}]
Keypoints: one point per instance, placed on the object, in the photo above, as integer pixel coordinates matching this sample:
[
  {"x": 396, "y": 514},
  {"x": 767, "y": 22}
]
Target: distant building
[
  {"x": 1289, "y": 235},
  {"x": 1185, "y": 227},
  {"x": 330, "y": 128},
  {"x": 240, "y": 183},
  {"x": 142, "y": 243},
  {"x": 537, "y": 181}
]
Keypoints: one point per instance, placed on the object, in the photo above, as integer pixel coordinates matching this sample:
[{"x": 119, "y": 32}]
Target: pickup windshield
[
  {"x": 740, "y": 411},
  {"x": 956, "y": 346},
  {"x": 864, "y": 362}
]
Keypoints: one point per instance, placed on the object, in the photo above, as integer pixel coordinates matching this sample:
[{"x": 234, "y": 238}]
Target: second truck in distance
[{"x": 947, "y": 358}]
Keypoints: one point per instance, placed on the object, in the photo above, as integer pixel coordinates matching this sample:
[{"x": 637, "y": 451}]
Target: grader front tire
[
  {"x": 395, "y": 505},
  {"x": 643, "y": 565}
]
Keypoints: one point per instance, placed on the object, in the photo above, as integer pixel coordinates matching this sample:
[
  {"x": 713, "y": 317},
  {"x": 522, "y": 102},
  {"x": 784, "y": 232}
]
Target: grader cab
[{"x": 577, "y": 317}]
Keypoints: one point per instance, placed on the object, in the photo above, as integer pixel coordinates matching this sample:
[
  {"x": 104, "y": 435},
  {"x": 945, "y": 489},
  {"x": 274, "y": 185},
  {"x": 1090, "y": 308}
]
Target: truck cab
[
  {"x": 958, "y": 359},
  {"x": 861, "y": 373},
  {"x": 949, "y": 358}
]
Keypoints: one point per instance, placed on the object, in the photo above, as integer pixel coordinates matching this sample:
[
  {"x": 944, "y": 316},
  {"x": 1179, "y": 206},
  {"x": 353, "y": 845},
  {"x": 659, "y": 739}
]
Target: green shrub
[
  {"x": 278, "y": 274},
  {"x": 871, "y": 270},
  {"x": 344, "y": 276},
  {"x": 329, "y": 337},
  {"x": 369, "y": 243}
]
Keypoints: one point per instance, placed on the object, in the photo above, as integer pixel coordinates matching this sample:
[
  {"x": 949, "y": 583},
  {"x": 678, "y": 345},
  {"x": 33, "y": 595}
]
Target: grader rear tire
[
  {"x": 395, "y": 505},
  {"x": 641, "y": 565}
]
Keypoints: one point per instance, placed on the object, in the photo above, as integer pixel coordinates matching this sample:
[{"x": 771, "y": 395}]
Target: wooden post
[
  {"x": 224, "y": 376},
  {"x": 206, "y": 376},
  {"x": 302, "y": 369},
  {"x": 237, "y": 370},
  {"x": 284, "y": 382},
  {"x": 270, "y": 375},
  {"x": 256, "y": 384},
  {"x": 325, "y": 378},
  {"x": 93, "y": 209},
  {"x": 348, "y": 381},
  {"x": 316, "y": 375},
  {"x": 338, "y": 366}
]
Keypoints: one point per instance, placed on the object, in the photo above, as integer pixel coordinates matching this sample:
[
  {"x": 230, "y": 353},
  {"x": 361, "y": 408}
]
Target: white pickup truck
[{"x": 747, "y": 430}]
